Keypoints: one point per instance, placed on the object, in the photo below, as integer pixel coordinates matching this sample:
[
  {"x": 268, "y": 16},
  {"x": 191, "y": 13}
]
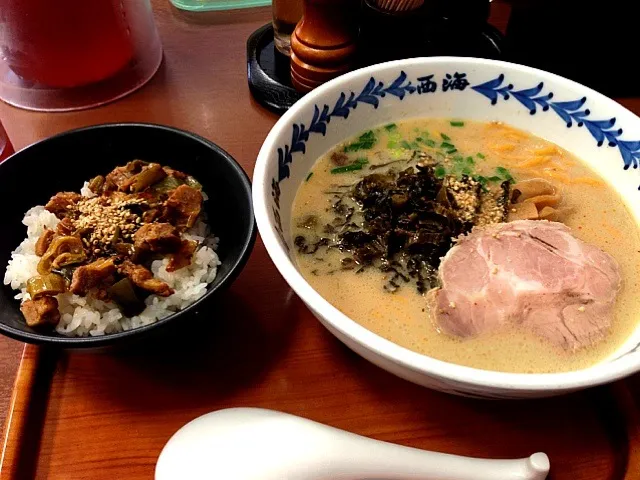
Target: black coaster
[
  {"x": 268, "y": 72},
  {"x": 382, "y": 38}
]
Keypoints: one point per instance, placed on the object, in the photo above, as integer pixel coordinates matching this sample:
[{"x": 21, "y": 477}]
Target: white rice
[{"x": 84, "y": 316}]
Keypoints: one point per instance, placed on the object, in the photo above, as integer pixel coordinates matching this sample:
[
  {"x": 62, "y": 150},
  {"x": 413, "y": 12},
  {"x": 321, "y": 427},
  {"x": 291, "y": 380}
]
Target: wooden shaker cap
[{"x": 323, "y": 45}]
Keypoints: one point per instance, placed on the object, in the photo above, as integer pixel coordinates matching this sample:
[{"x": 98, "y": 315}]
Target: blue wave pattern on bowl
[
  {"x": 371, "y": 93},
  {"x": 571, "y": 112}
]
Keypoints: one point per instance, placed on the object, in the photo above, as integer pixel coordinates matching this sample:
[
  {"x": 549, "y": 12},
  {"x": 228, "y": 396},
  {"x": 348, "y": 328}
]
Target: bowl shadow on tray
[
  {"x": 230, "y": 347},
  {"x": 509, "y": 428}
]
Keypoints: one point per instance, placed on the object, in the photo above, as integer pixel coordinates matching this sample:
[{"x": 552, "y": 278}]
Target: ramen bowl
[{"x": 602, "y": 133}]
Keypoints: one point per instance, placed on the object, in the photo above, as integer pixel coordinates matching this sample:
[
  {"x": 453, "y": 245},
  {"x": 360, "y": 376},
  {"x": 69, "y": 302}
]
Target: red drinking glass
[{"x": 71, "y": 54}]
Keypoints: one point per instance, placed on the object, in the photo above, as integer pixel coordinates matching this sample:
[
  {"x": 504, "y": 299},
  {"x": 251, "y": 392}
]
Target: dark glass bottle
[
  {"x": 439, "y": 27},
  {"x": 590, "y": 43}
]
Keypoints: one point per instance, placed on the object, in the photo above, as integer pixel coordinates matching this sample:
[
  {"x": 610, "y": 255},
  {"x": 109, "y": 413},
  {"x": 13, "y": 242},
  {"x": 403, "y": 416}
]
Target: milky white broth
[{"x": 594, "y": 211}]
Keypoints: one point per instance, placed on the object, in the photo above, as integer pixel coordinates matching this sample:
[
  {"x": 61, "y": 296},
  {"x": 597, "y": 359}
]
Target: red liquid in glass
[{"x": 65, "y": 43}]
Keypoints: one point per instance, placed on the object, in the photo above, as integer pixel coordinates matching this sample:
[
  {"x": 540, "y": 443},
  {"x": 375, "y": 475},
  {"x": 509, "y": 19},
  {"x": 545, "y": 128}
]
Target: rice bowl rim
[{"x": 221, "y": 281}]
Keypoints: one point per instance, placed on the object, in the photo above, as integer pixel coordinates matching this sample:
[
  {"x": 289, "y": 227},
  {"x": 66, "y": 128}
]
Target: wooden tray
[{"x": 108, "y": 415}]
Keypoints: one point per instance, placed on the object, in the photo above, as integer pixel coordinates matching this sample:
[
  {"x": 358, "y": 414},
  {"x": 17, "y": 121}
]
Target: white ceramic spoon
[{"x": 257, "y": 444}]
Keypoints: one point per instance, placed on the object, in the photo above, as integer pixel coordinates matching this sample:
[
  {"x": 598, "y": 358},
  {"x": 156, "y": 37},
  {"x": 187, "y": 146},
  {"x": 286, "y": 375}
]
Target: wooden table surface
[{"x": 202, "y": 87}]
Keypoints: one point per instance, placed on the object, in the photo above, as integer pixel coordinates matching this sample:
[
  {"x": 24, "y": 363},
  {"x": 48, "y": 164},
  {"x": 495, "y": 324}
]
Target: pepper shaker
[{"x": 323, "y": 45}]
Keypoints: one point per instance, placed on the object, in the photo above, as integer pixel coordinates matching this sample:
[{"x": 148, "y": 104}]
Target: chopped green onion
[
  {"x": 451, "y": 152},
  {"x": 391, "y": 126},
  {"x": 347, "y": 168},
  {"x": 365, "y": 141},
  {"x": 398, "y": 153},
  {"x": 445, "y": 137},
  {"x": 414, "y": 145},
  {"x": 439, "y": 171},
  {"x": 426, "y": 141},
  {"x": 309, "y": 177},
  {"x": 482, "y": 181},
  {"x": 456, "y": 123},
  {"x": 460, "y": 166},
  {"x": 446, "y": 145},
  {"x": 494, "y": 179},
  {"x": 394, "y": 139},
  {"x": 471, "y": 161},
  {"x": 504, "y": 173},
  {"x": 357, "y": 164},
  {"x": 404, "y": 144},
  {"x": 479, "y": 155}
]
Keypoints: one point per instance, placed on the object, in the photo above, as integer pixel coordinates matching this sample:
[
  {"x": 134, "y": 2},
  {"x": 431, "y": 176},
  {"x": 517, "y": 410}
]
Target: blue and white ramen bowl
[{"x": 602, "y": 133}]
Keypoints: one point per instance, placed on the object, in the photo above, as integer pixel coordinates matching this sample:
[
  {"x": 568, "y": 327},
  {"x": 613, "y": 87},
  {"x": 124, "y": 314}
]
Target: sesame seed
[
  {"x": 101, "y": 218},
  {"x": 581, "y": 309},
  {"x": 452, "y": 304}
]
